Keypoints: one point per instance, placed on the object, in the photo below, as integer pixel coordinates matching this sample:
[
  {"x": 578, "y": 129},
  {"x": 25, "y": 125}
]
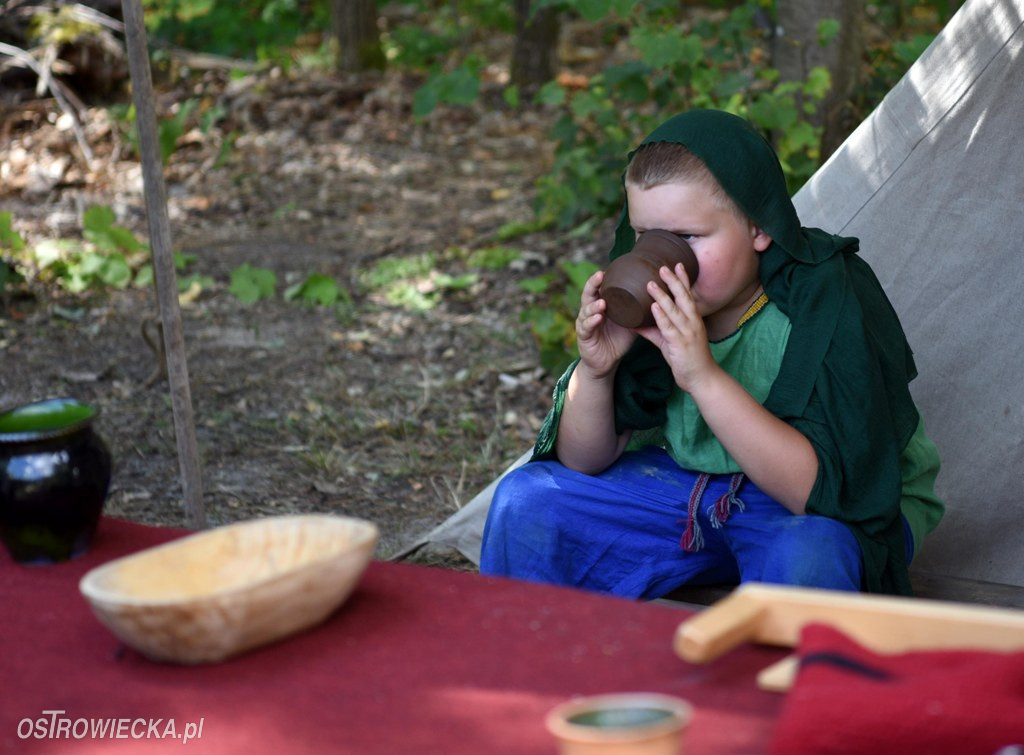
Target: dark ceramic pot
[
  {"x": 54, "y": 477},
  {"x": 625, "y": 281}
]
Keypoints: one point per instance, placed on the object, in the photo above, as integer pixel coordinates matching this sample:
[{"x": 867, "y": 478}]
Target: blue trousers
[{"x": 620, "y": 532}]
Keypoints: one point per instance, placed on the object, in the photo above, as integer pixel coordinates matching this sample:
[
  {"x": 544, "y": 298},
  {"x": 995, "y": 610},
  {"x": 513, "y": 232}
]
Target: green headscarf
[{"x": 844, "y": 377}]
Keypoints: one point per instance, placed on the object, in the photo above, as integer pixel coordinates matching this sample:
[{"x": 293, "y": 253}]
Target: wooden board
[
  {"x": 925, "y": 584},
  {"x": 776, "y": 615}
]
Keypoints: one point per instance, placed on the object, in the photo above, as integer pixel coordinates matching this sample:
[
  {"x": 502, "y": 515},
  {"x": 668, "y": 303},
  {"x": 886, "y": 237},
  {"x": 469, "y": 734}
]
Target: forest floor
[{"x": 376, "y": 409}]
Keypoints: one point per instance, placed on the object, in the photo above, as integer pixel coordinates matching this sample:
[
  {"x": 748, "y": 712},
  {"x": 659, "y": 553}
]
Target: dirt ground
[{"x": 377, "y": 410}]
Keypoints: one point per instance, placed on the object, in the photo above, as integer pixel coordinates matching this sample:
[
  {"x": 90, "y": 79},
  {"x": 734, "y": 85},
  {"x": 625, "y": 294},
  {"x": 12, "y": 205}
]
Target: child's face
[{"x": 726, "y": 246}]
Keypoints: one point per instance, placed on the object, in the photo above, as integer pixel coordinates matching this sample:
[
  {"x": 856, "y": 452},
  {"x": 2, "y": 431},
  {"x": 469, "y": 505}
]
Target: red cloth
[
  {"x": 848, "y": 699},
  {"x": 417, "y": 660}
]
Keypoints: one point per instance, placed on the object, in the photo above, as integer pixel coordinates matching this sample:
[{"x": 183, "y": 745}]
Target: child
[{"x": 761, "y": 430}]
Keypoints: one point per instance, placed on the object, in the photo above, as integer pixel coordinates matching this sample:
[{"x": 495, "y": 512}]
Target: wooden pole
[{"x": 163, "y": 263}]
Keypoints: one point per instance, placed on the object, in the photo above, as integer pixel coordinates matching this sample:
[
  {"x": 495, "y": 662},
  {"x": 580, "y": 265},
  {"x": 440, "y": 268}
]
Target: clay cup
[
  {"x": 625, "y": 281},
  {"x": 627, "y": 723}
]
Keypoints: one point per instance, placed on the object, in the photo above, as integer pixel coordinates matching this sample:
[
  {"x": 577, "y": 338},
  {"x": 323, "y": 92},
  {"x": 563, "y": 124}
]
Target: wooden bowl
[{"x": 218, "y": 593}]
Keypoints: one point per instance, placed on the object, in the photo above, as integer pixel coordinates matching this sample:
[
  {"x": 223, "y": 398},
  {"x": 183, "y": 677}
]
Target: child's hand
[
  {"x": 679, "y": 330},
  {"x": 602, "y": 343}
]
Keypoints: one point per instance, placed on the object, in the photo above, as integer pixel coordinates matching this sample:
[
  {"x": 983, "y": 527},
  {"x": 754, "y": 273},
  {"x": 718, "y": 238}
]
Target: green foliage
[
  {"x": 76, "y": 267},
  {"x": 515, "y": 228},
  {"x": 460, "y": 86},
  {"x": 11, "y": 241},
  {"x": 462, "y": 282},
  {"x": 108, "y": 256},
  {"x": 259, "y": 29},
  {"x": 185, "y": 281},
  {"x": 441, "y": 28},
  {"x": 716, "y": 59},
  {"x": 591, "y": 11},
  {"x": 98, "y": 226},
  {"x": 414, "y": 282},
  {"x": 913, "y": 25},
  {"x": 827, "y": 30},
  {"x": 511, "y": 96},
  {"x": 416, "y": 47},
  {"x": 493, "y": 257},
  {"x": 429, "y": 44},
  {"x": 60, "y": 26},
  {"x": 552, "y": 317},
  {"x": 419, "y": 282},
  {"x": 905, "y": 53},
  {"x": 489, "y": 15},
  {"x": 11, "y": 245},
  {"x": 9, "y": 275},
  {"x": 251, "y": 284},
  {"x": 169, "y": 130},
  {"x": 390, "y": 270},
  {"x": 318, "y": 289},
  {"x": 904, "y": 14},
  {"x": 714, "y": 62},
  {"x": 425, "y": 294}
]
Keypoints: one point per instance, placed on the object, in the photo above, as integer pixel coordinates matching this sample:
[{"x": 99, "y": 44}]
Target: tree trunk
[
  {"x": 536, "y": 48},
  {"x": 354, "y": 24},
  {"x": 796, "y": 51}
]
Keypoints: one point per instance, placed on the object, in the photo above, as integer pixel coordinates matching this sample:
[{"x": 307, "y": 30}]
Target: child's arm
[
  {"x": 587, "y": 441},
  {"x": 777, "y": 457},
  {"x": 774, "y": 455}
]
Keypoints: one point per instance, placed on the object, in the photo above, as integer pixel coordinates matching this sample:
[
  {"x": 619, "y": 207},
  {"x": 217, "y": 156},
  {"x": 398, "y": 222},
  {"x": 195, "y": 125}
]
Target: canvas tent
[{"x": 933, "y": 184}]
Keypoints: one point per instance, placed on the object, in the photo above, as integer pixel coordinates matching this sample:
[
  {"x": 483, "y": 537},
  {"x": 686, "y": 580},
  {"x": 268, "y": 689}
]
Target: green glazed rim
[
  {"x": 41, "y": 420},
  {"x": 622, "y": 718}
]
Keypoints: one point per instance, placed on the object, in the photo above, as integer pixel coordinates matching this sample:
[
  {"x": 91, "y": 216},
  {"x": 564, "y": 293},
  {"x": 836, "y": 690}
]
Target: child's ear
[{"x": 761, "y": 239}]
